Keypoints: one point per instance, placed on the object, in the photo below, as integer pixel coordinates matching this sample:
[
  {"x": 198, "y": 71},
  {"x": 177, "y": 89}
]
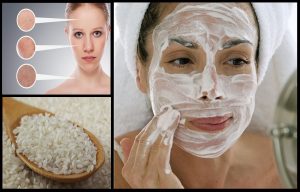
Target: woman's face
[
  {"x": 88, "y": 34},
  {"x": 202, "y": 63}
]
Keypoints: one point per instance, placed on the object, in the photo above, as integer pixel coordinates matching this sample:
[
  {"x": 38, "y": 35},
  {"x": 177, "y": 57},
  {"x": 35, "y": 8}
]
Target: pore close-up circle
[
  {"x": 26, "y": 20},
  {"x": 26, "y": 47},
  {"x": 26, "y": 76}
]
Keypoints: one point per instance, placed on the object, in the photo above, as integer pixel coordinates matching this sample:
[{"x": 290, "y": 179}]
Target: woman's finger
[
  {"x": 133, "y": 152},
  {"x": 150, "y": 135},
  {"x": 137, "y": 154},
  {"x": 151, "y": 174},
  {"x": 144, "y": 145},
  {"x": 130, "y": 158},
  {"x": 131, "y": 171},
  {"x": 126, "y": 145},
  {"x": 158, "y": 149},
  {"x": 165, "y": 147}
]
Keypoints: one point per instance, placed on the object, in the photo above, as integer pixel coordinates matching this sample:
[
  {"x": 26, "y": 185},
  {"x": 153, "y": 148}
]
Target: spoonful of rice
[{"x": 50, "y": 145}]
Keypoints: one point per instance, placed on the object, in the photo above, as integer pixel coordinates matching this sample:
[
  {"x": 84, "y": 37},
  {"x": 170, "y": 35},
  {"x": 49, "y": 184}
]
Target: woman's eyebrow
[
  {"x": 77, "y": 29},
  {"x": 98, "y": 28},
  {"x": 80, "y": 29},
  {"x": 234, "y": 42},
  {"x": 186, "y": 43}
]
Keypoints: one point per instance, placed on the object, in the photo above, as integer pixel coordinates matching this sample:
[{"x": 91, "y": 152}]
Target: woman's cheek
[
  {"x": 99, "y": 45},
  {"x": 77, "y": 46}
]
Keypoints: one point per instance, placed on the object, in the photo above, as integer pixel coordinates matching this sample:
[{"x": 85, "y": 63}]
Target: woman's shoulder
[
  {"x": 55, "y": 90},
  {"x": 63, "y": 88},
  {"x": 119, "y": 181},
  {"x": 105, "y": 86}
]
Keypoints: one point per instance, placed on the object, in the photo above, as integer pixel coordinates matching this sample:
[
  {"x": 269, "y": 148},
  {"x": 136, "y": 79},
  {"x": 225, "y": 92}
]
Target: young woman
[
  {"x": 199, "y": 64},
  {"x": 88, "y": 34}
]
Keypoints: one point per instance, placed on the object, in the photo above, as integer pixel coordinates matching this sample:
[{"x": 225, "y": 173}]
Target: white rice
[
  {"x": 55, "y": 144},
  {"x": 94, "y": 114}
]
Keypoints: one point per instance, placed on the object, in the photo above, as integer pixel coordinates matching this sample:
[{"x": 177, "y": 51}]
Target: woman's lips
[
  {"x": 89, "y": 59},
  {"x": 216, "y": 123}
]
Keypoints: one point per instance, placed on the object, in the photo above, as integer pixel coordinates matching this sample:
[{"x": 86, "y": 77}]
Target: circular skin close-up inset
[
  {"x": 26, "y": 47},
  {"x": 26, "y": 76},
  {"x": 26, "y": 20}
]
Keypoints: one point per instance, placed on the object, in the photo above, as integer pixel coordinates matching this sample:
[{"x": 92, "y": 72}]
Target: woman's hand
[{"x": 147, "y": 159}]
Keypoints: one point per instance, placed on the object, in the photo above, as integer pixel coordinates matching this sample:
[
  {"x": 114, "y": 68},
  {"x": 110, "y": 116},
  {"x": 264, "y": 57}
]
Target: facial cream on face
[{"x": 204, "y": 99}]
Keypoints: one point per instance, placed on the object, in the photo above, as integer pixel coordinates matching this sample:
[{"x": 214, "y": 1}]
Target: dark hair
[
  {"x": 150, "y": 20},
  {"x": 73, "y": 6}
]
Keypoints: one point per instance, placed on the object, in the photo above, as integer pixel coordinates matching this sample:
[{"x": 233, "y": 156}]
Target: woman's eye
[
  {"x": 97, "y": 33},
  {"x": 180, "y": 62},
  {"x": 237, "y": 62},
  {"x": 78, "y": 35}
]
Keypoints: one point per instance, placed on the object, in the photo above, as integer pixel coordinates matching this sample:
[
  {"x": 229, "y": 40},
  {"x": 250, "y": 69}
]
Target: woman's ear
[
  {"x": 141, "y": 76},
  {"x": 108, "y": 32},
  {"x": 67, "y": 31},
  {"x": 108, "y": 28}
]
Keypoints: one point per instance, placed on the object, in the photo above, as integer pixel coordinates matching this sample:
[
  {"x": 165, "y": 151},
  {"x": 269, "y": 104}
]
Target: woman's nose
[
  {"x": 88, "y": 45},
  {"x": 210, "y": 89}
]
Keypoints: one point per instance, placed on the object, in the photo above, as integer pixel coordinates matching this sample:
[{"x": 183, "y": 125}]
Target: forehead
[
  {"x": 87, "y": 16},
  {"x": 234, "y": 18},
  {"x": 167, "y": 8}
]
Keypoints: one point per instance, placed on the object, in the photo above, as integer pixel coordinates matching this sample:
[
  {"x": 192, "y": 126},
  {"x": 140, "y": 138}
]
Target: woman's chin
[{"x": 90, "y": 67}]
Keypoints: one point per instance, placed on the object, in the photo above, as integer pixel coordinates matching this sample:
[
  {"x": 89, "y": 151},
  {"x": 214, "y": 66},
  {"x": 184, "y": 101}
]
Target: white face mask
[{"x": 215, "y": 108}]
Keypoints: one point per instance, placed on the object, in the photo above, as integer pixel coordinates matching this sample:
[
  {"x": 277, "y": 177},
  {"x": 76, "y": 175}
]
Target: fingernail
[
  {"x": 164, "y": 109},
  {"x": 167, "y": 171},
  {"x": 168, "y": 140},
  {"x": 122, "y": 141},
  {"x": 182, "y": 121}
]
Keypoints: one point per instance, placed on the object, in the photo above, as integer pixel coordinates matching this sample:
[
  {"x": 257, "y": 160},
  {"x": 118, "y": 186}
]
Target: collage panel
[
  {"x": 56, "y": 48},
  {"x": 205, "y": 95},
  {"x": 56, "y": 142},
  {"x": 157, "y": 95}
]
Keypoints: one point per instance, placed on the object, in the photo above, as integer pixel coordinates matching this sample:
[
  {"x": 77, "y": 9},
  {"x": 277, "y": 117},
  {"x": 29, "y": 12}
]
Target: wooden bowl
[{"x": 13, "y": 111}]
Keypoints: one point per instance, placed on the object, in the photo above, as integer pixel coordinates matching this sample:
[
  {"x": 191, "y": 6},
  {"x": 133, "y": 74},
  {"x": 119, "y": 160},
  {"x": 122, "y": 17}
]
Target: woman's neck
[
  {"x": 200, "y": 172},
  {"x": 91, "y": 79}
]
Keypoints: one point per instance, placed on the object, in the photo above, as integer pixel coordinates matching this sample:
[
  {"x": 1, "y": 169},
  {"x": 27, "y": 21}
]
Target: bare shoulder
[
  {"x": 119, "y": 181},
  {"x": 63, "y": 88},
  {"x": 105, "y": 87},
  {"x": 55, "y": 90}
]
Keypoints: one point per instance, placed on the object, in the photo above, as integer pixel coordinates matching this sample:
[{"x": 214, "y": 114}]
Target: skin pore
[
  {"x": 88, "y": 35},
  {"x": 249, "y": 163},
  {"x": 26, "y": 76},
  {"x": 26, "y": 20},
  {"x": 26, "y": 47}
]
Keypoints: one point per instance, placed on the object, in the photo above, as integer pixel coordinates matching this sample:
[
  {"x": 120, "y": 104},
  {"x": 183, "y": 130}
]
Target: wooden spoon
[{"x": 13, "y": 111}]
